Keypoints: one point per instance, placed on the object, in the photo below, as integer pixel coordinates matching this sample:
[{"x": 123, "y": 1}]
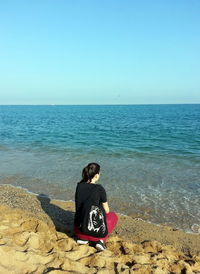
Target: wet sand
[{"x": 36, "y": 236}]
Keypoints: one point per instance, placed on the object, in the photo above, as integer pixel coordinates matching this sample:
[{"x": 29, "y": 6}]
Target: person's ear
[{"x": 96, "y": 176}]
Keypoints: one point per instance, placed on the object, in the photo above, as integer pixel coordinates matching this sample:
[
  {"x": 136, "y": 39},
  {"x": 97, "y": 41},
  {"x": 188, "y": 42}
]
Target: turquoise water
[{"x": 149, "y": 154}]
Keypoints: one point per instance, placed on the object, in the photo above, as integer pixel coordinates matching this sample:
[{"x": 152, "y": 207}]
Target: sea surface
[{"x": 149, "y": 156}]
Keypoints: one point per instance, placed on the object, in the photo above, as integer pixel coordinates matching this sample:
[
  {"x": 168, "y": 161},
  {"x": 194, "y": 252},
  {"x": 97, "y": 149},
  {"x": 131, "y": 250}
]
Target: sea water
[{"x": 149, "y": 155}]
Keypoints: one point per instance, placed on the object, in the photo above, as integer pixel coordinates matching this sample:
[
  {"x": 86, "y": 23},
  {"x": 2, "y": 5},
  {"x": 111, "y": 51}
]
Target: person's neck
[{"x": 92, "y": 182}]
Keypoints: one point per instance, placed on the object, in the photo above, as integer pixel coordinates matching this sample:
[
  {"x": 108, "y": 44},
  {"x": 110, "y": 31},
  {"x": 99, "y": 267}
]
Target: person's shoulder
[
  {"x": 100, "y": 187},
  {"x": 80, "y": 185}
]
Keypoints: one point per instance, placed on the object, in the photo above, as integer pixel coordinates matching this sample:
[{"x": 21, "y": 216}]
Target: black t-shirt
[{"x": 85, "y": 191}]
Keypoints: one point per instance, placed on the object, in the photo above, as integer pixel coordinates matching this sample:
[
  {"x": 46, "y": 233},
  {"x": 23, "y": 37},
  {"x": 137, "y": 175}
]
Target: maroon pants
[{"x": 111, "y": 220}]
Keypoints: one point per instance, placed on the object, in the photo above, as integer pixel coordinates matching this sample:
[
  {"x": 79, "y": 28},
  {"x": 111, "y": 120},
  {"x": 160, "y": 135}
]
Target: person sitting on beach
[{"x": 93, "y": 219}]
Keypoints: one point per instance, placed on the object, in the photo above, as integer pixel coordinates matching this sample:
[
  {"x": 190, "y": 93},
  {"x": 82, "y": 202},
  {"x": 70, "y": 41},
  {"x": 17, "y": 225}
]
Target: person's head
[{"x": 91, "y": 173}]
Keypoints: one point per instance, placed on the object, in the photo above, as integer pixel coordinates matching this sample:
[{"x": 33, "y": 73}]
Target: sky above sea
[{"x": 99, "y": 52}]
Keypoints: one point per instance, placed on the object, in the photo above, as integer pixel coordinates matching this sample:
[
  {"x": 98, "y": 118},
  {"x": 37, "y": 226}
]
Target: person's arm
[{"x": 106, "y": 207}]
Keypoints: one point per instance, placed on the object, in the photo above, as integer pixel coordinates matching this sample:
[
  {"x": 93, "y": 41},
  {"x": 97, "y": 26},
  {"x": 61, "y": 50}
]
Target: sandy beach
[{"x": 36, "y": 236}]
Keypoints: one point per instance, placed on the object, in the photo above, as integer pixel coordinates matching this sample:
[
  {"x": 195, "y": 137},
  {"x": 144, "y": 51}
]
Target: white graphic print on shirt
[{"x": 96, "y": 220}]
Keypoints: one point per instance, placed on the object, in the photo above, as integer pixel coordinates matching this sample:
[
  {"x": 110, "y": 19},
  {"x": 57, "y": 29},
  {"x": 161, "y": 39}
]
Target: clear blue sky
[{"x": 99, "y": 52}]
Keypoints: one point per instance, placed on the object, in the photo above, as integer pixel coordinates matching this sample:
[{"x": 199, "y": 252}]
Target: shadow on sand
[{"x": 62, "y": 219}]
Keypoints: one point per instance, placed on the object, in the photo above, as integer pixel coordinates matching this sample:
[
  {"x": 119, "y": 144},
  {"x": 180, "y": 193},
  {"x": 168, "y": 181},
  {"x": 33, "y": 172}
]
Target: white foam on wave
[{"x": 196, "y": 228}]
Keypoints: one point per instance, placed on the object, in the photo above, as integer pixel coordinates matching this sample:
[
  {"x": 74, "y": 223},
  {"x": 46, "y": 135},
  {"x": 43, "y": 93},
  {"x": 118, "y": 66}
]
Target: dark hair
[{"x": 90, "y": 171}]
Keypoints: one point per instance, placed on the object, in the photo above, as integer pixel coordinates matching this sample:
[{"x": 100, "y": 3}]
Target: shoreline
[
  {"x": 36, "y": 236},
  {"x": 128, "y": 226},
  {"x": 135, "y": 216}
]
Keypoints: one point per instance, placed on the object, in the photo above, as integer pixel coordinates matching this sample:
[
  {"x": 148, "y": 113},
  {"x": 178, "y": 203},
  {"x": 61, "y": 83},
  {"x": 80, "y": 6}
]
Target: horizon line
[{"x": 100, "y": 104}]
